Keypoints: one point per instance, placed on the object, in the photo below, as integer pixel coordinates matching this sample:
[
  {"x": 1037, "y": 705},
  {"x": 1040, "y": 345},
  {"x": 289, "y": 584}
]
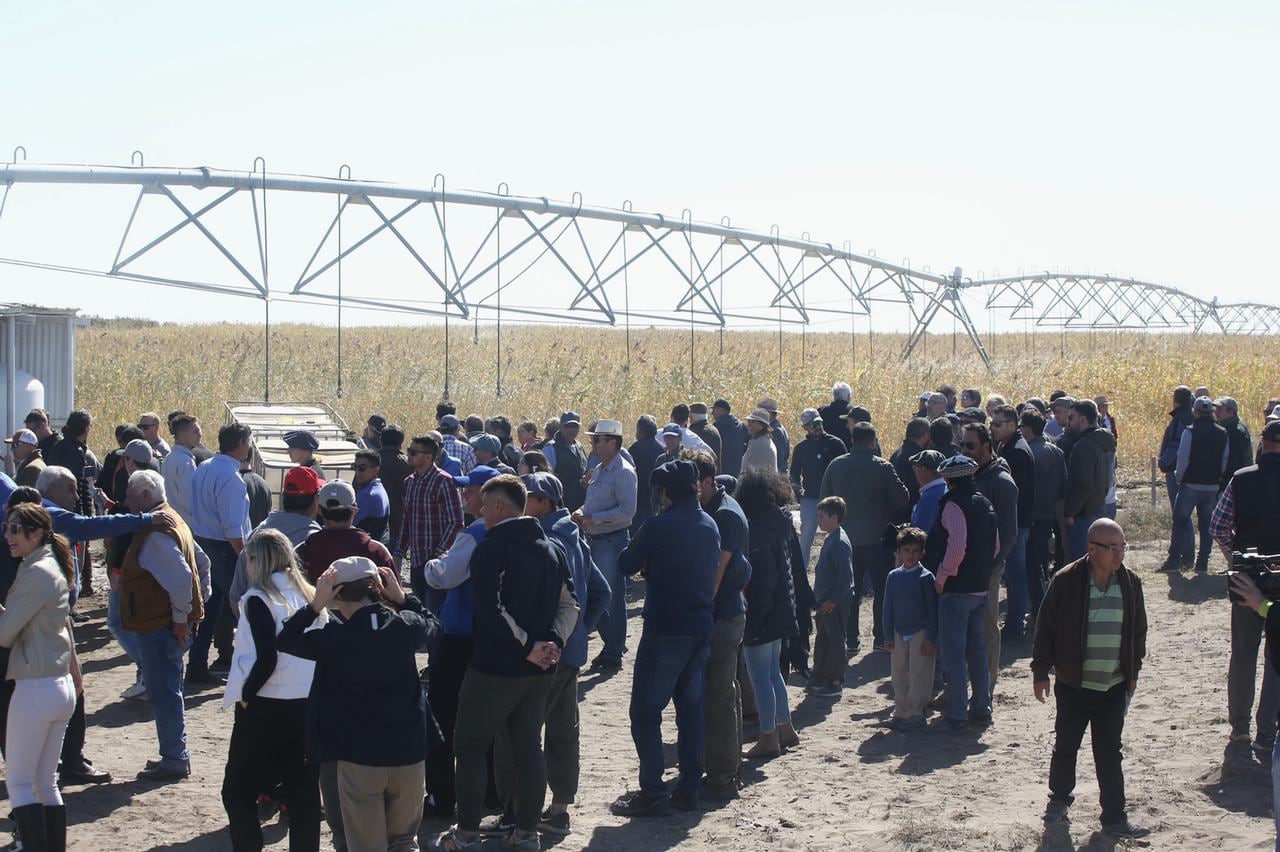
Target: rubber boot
[
  {"x": 766, "y": 747},
  {"x": 55, "y": 827},
  {"x": 787, "y": 736},
  {"x": 30, "y": 820}
]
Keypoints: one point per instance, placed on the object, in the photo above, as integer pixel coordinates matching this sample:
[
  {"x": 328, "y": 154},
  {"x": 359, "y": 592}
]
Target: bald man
[{"x": 1097, "y": 672}]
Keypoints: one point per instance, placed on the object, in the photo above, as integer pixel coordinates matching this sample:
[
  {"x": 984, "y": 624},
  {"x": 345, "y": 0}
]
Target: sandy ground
[{"x": 852, "y": 784}]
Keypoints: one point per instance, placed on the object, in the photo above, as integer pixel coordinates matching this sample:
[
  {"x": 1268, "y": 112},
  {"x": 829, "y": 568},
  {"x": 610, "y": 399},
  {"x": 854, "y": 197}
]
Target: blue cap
[
  {"x": 543, "y": 484},
  {"x": 488, "y": 443},
  {"x": 301, "y": 439},
  {"x": 673, "y": 429},
  {"x": 678, "y": 474},
  {"x": 479, "y": 475}
]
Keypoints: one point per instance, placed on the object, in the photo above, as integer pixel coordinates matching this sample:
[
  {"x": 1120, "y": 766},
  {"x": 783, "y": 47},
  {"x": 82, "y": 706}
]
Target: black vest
[
  {"x": 570, "y": 466},
  {"x": 980, "y": 542},
  {"x": 1256, "y": 491},
  {"x": 1208, "y": 440}
]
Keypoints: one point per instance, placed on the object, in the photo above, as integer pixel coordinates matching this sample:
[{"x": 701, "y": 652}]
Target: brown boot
[
  {"x": 787, "y": 736},
  {"x": 766, "y": 747}
]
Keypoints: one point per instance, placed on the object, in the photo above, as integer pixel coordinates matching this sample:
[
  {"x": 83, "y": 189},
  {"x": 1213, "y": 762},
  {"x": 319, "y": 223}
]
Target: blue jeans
[
  {"x": 160, "y": 658},
  {"x": 1171, "y": 488},
  {"x": 605, "y": 551},
  {"x": 128, "y": 641},
  {"x": 808, "y": 526},
  {"x": 964, "y": 654},
  {"x": 767, "y": 683},
  {"x": 1078, "y": 537},
  {"x": 1182, "y": 545},
  {"x": 669, "y": 668},
  {"x": 1015, "y": 579},
  {"x": 222, "y": 570}
]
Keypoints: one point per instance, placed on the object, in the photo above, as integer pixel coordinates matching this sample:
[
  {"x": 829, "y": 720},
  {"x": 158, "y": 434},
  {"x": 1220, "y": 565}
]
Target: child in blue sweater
[
  {"x": 833, "y": 593},
  {"x": 911, "y": 630}
]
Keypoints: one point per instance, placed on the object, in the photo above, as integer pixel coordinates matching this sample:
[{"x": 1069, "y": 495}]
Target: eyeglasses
[
  {"x": 362, "y": 467},
  {"x": 1114, "y": 548},
  {"x": 13, "y": 529}
]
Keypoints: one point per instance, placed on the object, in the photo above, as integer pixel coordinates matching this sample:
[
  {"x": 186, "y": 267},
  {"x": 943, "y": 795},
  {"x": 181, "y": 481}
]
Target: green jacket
[{"x": 872, "y": 492}]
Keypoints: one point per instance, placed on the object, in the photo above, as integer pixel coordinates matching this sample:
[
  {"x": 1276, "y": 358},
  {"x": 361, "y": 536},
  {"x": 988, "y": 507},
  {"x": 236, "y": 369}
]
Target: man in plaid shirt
[
  {"x": 432, "y": 516},
  {"x": 455, "y": 446}
]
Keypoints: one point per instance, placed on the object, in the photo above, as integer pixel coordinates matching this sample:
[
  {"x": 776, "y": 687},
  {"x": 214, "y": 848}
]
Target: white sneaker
[{"x": 137, "y": 690}]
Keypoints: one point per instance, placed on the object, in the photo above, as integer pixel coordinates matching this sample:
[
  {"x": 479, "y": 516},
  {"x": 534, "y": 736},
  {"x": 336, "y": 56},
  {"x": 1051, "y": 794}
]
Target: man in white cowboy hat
[
  {"x": 781, "y": 442},
  {"x": 605, "y": 518}
]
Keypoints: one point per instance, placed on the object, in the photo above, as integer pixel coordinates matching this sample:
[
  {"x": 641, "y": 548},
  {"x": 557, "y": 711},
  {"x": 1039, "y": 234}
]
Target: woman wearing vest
[
  {"x": 33, "y": 623},
  {"x": 269, "y": 690}
]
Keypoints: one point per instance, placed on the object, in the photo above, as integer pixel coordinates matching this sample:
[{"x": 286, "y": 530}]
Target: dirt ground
[{"x": 852, "y": 784}]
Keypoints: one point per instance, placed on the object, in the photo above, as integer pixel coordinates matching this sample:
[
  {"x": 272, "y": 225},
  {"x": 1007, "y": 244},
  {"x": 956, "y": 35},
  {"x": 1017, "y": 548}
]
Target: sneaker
[
  {"x": 530, "y": 841},
  {"x": 638, "y": 804},
  {"x": 498, "y": 825},
  {"x": 1125, "y": 830},
  {"x": 137, "y": 690},
  {"x": 557, "y": 824},
  {"x": 686, "y": 800},
  {"x": 1056, "y": 811},
  {"x": 825, "y": 689},
  {"x": 164, "y": 774}
]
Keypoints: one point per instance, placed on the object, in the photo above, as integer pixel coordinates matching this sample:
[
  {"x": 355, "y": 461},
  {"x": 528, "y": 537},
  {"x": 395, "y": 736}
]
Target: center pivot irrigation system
[{"x": 462, "y": 252}]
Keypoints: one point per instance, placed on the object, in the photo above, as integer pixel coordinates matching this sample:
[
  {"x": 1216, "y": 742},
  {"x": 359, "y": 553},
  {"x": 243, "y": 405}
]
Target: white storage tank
[{"x": 37, "y": 362}]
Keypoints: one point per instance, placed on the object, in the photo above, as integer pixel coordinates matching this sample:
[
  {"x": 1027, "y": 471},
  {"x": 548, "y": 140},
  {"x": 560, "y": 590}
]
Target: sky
[{"x": 1130, "y": 138}]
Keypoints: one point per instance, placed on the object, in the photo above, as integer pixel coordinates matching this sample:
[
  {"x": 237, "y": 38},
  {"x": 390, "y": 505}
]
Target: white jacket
[{"x": 292, "y": 675}]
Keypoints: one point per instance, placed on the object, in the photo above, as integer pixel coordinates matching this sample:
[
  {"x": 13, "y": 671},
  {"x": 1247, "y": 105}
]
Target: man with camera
[{"x": 1244, "y": 519}]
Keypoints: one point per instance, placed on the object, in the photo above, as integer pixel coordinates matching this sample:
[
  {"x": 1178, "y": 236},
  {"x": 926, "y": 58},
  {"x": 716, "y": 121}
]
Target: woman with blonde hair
[
  {"x": 45, "y": 672},
  {"x": 269, "y": 690}
]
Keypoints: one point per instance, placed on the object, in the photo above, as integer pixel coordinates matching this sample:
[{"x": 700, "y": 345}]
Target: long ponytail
[
  {"x": 62, "y": 552},
  {"x": 34, "y": 517}
]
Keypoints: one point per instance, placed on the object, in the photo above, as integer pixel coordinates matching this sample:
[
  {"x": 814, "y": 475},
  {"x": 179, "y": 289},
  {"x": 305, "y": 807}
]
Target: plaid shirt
[
  {"x": 1223, "y": 522},
  {"x": 460, "y": 450},
  {"x": 432, "y": 515}
]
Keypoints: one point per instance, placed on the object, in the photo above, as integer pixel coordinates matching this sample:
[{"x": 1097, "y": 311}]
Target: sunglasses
[{"x": 14, "y": 529}]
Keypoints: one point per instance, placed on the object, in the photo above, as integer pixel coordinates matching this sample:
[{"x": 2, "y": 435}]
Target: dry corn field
[{"x": 125, "y": 368}]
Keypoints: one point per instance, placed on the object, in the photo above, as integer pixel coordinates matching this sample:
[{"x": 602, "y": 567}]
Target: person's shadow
[
  {"x": 1240, "y": 784},
  {"x": 1196, "y": 588}
]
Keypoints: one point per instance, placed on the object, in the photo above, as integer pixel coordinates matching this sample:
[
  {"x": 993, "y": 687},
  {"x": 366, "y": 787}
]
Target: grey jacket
[
  {"x": 34, "y": 621},
  {"x": 295, "y": 527},
  {"x": 995, "y": 482},
  {"x": 1051, "y": 478}
]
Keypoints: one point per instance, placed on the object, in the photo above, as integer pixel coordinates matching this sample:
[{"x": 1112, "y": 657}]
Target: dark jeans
[
  {"x": 432, "y": 598},
  {"x": 1242, "y": 674},
  {"x": 1039, "y": 566},
  {"x": 876, "y": 560},
  {"x": 222, "y": 570},
  {"x": 963, "y": 648},
  {"x": 485, "y": 704},
  {"x": 669, "y": 668},
  {"x": 605, "y": 550},
  {"x": 268, "y": 745},
  {"x": 73, "y": 739},
  {"x": 447, "y": 668},
  {"x": 160, "y": 661},
  {"x": 1103, "y": 714},
  {"x": 561, "y": 744},
  {"x": 828, "y": 645},
  {"x": 722, "y": 702}
]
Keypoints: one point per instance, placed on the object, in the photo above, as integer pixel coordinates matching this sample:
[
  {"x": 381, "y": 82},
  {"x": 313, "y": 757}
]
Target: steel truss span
[{"x": 619, "y": 264}]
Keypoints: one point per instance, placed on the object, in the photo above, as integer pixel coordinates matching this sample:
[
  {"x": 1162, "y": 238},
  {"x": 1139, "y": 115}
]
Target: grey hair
[
  {"x": 149, "y": 484},
  {"x": 51, "y": 476},
  {"x": 841, "y": 390}
]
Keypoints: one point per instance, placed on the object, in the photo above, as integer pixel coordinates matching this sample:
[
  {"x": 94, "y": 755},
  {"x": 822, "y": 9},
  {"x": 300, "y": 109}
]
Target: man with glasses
[
  {"x": 373, "y": 508},
  {"x": 1092, "y": 633},
  {"x": 432, "y": 517},
  {"x": 605, "y": 518},
  {"x": 149, "y": 423},
  {"x": 1013, "y": 448}
]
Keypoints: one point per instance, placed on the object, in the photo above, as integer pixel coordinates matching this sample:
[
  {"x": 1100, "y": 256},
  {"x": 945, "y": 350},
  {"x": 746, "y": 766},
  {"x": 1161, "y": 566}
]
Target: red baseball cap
[{"x": 302, "y": 480}]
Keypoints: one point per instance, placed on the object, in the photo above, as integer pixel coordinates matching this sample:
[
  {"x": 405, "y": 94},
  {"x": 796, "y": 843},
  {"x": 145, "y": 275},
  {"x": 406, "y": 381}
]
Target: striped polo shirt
[{"x": 1102, "y": 643}]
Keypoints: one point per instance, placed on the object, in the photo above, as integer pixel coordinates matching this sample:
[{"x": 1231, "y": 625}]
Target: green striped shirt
[{"x": 1102, "y": 643}]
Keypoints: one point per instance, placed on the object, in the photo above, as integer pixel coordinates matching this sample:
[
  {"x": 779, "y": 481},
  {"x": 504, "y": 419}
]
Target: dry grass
[{"x": 124, "y": 369}]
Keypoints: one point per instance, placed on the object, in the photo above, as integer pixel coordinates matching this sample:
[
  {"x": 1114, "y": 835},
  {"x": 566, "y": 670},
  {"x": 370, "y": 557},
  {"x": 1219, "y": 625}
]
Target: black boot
[
  {"x": 55, "y": 827},
  {"x": 30, "y": 820}
]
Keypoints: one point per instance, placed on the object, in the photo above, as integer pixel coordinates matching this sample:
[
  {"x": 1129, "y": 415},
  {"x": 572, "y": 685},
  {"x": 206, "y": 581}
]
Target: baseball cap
[
  {"x": 1271, "y": 431},
  {"x": 486, "y": 443},
  {"x": 23, "y": 436},
  {"x": 377, "y": 422},
  {"x": 450, "y": 423},
  {"x": 722, "y": 403},
  {"x": 301, "y": 439},
  {"x": 138, "y": 452},
  {"x": 976, "y": 415},
  {"x": 808, "y": 416},
  {"x": 479, "y": 475},
  {"x": 1202, "y": 405},
  {"x": 673, "y": 429},
  {"x": 352, "y": 568},
  {"x": 570, "y": 418},
  {"x": 1228, "y": 403},
  {"x": 679, "y": 473},
  {"x": 857, "y": 414},
  {"x": 302, "y": 480},
  {"x": 932, "y": 459},
  {"x": 1063, "y": 402},
  {"x": 543, "y": 484},
  {"x": 336, "y": 494}
]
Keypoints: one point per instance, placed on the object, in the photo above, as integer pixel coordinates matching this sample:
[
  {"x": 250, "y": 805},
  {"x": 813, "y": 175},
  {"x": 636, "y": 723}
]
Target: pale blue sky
[{"x": 1133, "y": 138}]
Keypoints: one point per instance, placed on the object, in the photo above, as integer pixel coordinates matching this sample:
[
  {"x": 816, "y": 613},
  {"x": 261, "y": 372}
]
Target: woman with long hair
[
  {"x": 771, "y": 604},
  {"x": 533, "y": 461},
  {"x": 269, "y": 690},
  {"x": 33, "y": 623}
]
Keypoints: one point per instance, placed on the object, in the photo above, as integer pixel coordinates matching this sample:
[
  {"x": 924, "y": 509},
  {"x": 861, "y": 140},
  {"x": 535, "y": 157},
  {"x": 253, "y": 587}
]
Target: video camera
[{"x": 1263, "y": 569}]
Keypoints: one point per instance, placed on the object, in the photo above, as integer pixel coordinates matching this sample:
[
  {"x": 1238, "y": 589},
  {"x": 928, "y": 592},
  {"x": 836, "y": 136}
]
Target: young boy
[
  {"x": 833, "y": 591},
  {"x": 911, "y": 630}
]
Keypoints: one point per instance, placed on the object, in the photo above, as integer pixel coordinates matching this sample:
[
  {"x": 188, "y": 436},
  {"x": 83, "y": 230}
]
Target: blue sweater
[
  {"x": 925, "y": 513},
  {"x": 589, "y": 584},
  {"x": 833, "y": 575},
  {"x": 679, "y": 551},
  {"x": 910, "y": 604}
]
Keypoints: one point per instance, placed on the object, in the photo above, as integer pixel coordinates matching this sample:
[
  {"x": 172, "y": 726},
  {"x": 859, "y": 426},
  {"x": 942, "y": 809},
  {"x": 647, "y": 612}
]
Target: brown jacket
[
  {"x": 144, "y": 603},
  {"x": 1062, "y": 626}
]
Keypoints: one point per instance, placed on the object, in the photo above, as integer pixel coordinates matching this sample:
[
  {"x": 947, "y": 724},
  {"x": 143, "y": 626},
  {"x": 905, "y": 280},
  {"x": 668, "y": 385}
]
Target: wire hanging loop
[
  {"x": 16, "y": 149},
  {"x": 503, "y": 189},
  {"x": 439, "y": 181},
  {"x": 344, "y": 173},
  {"x": 136, "y": 159},
  {"x": 626, "y": 286}
]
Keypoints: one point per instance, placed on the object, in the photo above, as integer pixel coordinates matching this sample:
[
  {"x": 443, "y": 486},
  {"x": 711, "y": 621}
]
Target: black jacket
[
  {"x": 1022, "y": 466},
  {"x": 771, "y": 598},
  {"x": 1255, "y": 490},
  {"x": 72, "y": 454},
  {"x": 523, "y": 595},
  {"x": 1241, "y": 453},
  {"x": 901, "y": 461},
  {"x": 733, "y": 443},
  {"x": 809, "y": 462},
  {"x": 834, "y": 423},
  {"x": 710, "y": 436},
  {"x": 1179, "y": 418},
  {"x": 366, "y": 704},
  {"x": 393, "y": 468}
]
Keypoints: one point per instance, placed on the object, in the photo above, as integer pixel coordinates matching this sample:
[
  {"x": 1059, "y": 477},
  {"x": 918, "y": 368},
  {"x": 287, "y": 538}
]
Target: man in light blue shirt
[
  {"x": 605, "y": 518},
  {"x": 220, "y": 523},
  {"x": 180, "y": 465}
]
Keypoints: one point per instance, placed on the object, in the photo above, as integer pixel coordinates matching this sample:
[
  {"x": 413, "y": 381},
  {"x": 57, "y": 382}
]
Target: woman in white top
[
  {"x": 269, "y": 690},
  {"x": 46, "y": 678},
  {"x": 760, "y": 454}
]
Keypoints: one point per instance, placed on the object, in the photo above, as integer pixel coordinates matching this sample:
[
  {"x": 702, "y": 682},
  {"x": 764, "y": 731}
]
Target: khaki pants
[
  {"x": 991, "y": 623},
  {"x": 381, "y": 806},
  {"x": 912, "y": 677}
]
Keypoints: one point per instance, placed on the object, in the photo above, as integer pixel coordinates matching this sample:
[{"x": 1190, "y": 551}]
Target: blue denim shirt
[
  {"x": 219, "y": 501},
  {"x": 611, "y": 497}
]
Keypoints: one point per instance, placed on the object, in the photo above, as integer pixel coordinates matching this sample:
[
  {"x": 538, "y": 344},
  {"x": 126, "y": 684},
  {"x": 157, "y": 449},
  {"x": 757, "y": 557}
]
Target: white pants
[{"x": 38, "y": 716}]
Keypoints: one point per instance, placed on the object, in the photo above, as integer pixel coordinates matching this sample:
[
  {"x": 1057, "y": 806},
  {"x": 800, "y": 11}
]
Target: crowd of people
[{"x": 498, "y": 552}]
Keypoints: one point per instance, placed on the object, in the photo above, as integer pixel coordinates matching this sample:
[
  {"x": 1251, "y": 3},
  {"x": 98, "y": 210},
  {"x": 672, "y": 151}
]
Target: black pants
[
  {"x": 73, "y": 740},
  {"x": 1103, "y": 714},
  {"x": 1038, "y": 567},
  {"x": 447, "y": 667},
  {"x": 268, "y": 743}
]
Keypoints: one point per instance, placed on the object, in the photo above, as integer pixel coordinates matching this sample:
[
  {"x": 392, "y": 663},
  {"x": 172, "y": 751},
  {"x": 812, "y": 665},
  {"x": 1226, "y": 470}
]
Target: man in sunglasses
[
  {"x": 432, "y": 517},
  {"x": 373, "y": 506},
  {"x": 1092, "y": 633}
]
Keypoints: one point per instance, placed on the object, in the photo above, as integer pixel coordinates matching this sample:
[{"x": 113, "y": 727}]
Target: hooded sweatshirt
[
  {"x": 589, "y": 583},
  {"x": 1089, "y": 473}
]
